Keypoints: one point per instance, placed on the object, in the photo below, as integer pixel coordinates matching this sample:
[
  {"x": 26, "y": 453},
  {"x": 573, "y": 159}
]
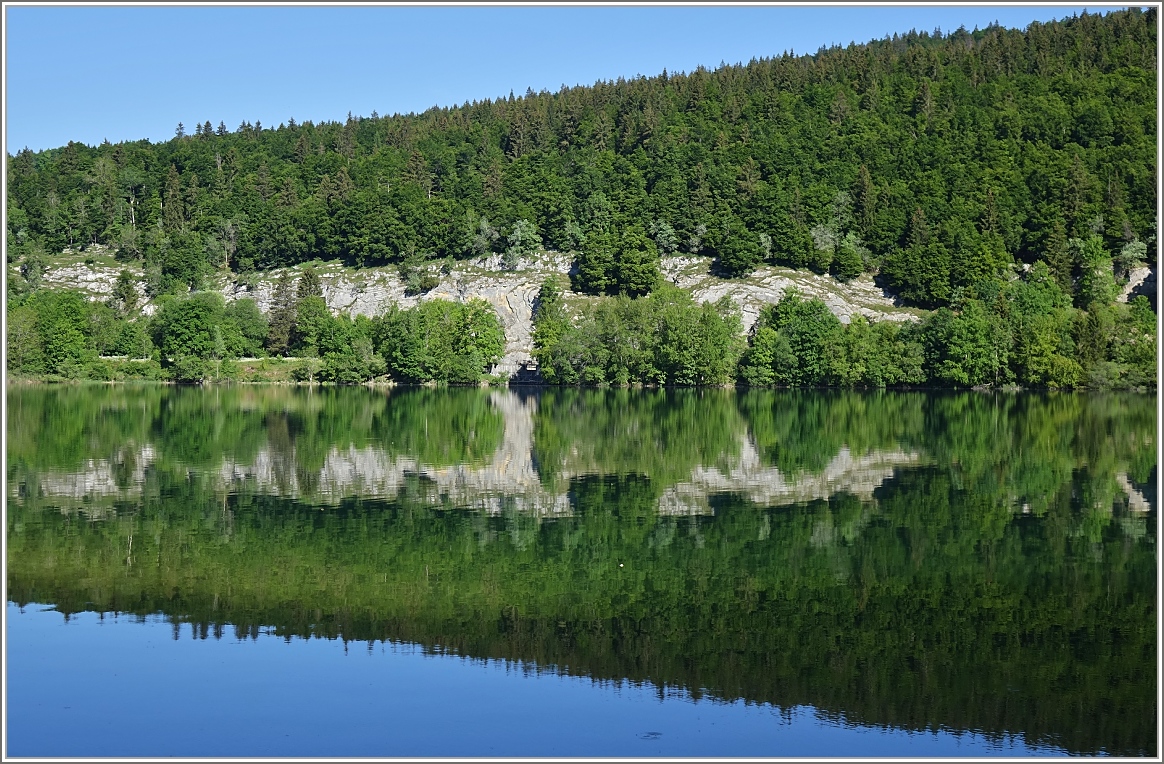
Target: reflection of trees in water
[
  {"x": 981, "y": 561},
  {"x": 928, "y": 605},
  {"x": 483, "y": 448},
  {"x": 281, "y": 450}
]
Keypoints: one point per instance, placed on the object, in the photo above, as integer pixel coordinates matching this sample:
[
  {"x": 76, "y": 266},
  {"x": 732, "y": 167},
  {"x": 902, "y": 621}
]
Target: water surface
[{"x": 273, "y": 571}]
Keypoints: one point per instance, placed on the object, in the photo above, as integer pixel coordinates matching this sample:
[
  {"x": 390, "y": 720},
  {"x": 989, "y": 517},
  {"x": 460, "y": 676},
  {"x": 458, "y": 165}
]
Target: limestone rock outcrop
[{"x": 370, "y": 291}]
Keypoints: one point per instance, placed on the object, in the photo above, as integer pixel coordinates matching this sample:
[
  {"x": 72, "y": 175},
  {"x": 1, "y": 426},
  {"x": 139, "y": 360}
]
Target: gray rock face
[
  {"x": 370, "y": 291},
  {"x": 1141, "y": 281},
  {"x": 767, "y": 285}
]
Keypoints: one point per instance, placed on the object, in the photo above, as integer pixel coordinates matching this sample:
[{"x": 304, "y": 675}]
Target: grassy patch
[
  {"x": 268, "y": 370},
  {"x": 90, "y": 257}
]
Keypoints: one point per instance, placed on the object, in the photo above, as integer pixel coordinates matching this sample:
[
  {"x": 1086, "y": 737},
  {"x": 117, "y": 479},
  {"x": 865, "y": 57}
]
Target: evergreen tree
[
  {"x": 638, "y": 264},
  {"x": 282, "y": 316},
  {"x": 308, "y": 285},
  {"x": 596, "y": 263}
]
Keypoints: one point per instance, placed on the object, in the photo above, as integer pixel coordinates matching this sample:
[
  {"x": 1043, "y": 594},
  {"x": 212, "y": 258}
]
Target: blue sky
[{"x": 89, "y": 73}]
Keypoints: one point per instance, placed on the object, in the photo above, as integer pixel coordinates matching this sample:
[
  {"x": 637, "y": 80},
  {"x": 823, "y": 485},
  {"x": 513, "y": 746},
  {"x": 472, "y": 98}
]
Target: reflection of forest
[
  {"x": 489, "y": 449},
  {"x": 999, "y": 577},
  {"x": 926, "y": 607},
  {"x": 508, "y": 477}
]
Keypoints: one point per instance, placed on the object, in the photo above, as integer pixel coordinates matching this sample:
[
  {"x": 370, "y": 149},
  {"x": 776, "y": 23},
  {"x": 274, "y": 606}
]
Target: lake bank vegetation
[{"x": 1021, "y": 333}]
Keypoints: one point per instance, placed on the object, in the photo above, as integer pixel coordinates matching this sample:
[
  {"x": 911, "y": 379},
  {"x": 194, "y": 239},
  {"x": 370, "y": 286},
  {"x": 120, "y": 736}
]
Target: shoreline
[{"x": 493, "y": 385}]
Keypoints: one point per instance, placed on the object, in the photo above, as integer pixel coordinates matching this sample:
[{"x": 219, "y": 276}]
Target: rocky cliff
[{"x": 370, "y": 291}]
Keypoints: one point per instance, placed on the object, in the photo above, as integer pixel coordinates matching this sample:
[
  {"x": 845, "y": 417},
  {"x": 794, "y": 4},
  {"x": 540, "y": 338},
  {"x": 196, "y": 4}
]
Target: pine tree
[
  {"x": 174, "y": 215},
  {"x": 864, "y": 201},
  {"x": 638, "y": 264},
  {"x": 309, "y": 285},
  {"x": 1058, "y": 256},
  {"x": 282, "y": 316},
  {"x": 596, "y": 262}
]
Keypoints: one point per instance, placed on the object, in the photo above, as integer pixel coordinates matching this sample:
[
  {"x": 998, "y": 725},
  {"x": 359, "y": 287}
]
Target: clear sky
[{"x": 89, "y": 73}]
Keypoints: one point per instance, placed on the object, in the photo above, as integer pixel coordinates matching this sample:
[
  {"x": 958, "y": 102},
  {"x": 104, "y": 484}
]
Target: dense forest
[
  {"x": 1002, "y": 583},
  {"x": 942, "y": 164}
]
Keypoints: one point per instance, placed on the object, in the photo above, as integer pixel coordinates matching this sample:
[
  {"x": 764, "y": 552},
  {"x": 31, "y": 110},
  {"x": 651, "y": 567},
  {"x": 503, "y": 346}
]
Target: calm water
[{"x": 274, "y": 571}]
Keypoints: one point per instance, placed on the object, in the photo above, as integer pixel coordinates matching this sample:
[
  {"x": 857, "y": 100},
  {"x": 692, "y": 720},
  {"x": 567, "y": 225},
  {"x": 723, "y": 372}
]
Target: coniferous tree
[{"x": 282, "y": 316}]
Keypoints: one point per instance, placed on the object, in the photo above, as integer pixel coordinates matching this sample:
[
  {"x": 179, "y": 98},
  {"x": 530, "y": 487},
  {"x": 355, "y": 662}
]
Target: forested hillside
[
  {"x": 936, "y": 162},
  {"x": 956, "y": 153}
]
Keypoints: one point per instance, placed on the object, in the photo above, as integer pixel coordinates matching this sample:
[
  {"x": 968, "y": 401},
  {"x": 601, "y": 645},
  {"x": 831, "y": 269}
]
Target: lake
[{"x": 281, "y": 571}]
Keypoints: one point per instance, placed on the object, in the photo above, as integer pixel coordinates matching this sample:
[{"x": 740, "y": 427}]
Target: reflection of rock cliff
[
  {"x": 118, "y": 478},
  {"x": 769, "y": 486},
  {"x": 508, "y": 480}
]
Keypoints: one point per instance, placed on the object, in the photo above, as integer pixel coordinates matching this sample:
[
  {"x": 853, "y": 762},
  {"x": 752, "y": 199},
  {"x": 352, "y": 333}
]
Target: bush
[
  {"x": 100, "y": 370},
  {"x": 416, "y": 275},
  {"x": 188, "y": 368},
  {"x": 143, "y": 369}
]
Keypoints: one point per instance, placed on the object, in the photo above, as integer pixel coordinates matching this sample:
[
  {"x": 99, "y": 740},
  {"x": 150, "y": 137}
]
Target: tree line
[
  {"x": 933, "y": 161},
  {"x": 199, "y": 337},
  {"x": 1021, "y": 332}
]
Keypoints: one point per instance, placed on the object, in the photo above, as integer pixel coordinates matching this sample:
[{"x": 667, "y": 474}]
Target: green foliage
[
  {"x": 523, "y": 240},
  {"x": 33, "y": 266},
  {"x": 244, "y": 322},
  {"x": 189, "y": 368},
  {"x": 1096, "y": 282},
  {"x": 965, "y": 348},
  {"x": 666, "y": 240},
  {"x": 920, "y": 273},
  {"x": 483, "y": 237},
  {"x": 281, "y": 319},
  {"x": 1040, "y": 319},
  {"x": 1009, "y": 142},
  {"x": 638, "y": 264},
  {"x": 133, "y": 340},
  {"x": 25, "y": 345},
  {"x": 417, "y": 275},
  {"x": 308, "y": 285},
  {"x": 313, "y": 322},
  {"x": 881, "y": 354},
  {"x": 347, "y": 350},
  {"x": 738, "y": 249},
  {"x": 802, "y": 345},
  {"x": 665, "y": 338},
  {"x": 1130, "y": 353},
  {"x": 549, "y": 324},
  {"x": 125, "y": 297},
  {"x": 697, "y": 345},
  {"x": 440, "y": 341},
  {"x": 791, "y": 242},
  {"x": 596, "y": 263},
  {"x": 64, "y": 333},
  {"x": 185, "y": 326},
  {"x": 850, "y": 258},
  {"x": 59, "y": 334}
]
